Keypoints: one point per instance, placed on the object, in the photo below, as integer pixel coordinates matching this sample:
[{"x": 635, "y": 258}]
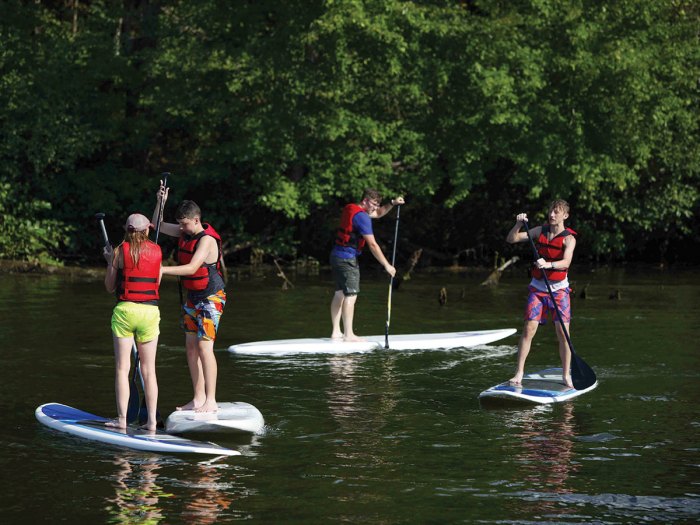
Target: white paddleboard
[
  {"x": 238, "y": 416},
  {"x": 89, "y": 426},
  {"x": 541, "y": 387},
  {"x": 371, "y": 343}
]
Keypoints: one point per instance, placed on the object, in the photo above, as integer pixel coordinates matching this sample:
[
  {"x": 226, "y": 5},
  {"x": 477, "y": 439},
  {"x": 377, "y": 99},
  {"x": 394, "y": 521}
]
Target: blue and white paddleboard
[
  {"x": 89, "y": 426},
  {"x": 324, "y": 345},
  {"x": 541, "y": 387},
  {"x": 236, "y": 417}
]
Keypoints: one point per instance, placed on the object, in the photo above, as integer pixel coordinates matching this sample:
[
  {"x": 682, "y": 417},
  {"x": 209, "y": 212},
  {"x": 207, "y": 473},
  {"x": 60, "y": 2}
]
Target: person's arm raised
[
  {"x": 168, "y": 228},
  {"x": 199, "y": 257},
  {"x": 383, "y": 210},
  {"x": 515, "y": 235}
]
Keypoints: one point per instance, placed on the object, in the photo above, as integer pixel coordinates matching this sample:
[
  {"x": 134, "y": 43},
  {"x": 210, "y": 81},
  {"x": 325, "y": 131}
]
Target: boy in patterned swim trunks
[
  {"x": 555, "y": 245},
  {"x": 200, "y": 269}
]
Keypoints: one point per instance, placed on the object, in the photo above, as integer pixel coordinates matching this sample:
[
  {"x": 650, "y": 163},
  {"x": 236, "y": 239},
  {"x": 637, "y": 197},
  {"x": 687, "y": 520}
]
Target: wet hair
[
  {"x": 372, "y": 195},
  {"x": 561, "y": 204},
  {"x": 188, "y": 210}
]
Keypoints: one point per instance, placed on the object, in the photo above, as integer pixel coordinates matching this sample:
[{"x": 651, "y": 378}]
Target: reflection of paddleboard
[
  {"x": 374, "y": 342},
  {"x": 230, "y": 416},
  {"x": 89, "y": 426},
  {"x": 542, "y": 387}
]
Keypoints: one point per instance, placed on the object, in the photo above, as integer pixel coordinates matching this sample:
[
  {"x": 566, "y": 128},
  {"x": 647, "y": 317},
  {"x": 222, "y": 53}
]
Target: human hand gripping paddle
[
  {"x": 134, "y": 407},
  {"x": 162, "y": 204},
  {"x": 582, "y": 375},
  {"x": 391, "y": 282}
]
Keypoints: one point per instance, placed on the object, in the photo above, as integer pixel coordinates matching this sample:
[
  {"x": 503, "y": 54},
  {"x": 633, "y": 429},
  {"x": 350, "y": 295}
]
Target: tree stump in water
[
  {"x": 495, "y": 276},
  {"x": 406, "y": 274}
]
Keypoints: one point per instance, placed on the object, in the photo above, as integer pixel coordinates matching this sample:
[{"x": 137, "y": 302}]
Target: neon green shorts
[{"x": 140, "y": 321}]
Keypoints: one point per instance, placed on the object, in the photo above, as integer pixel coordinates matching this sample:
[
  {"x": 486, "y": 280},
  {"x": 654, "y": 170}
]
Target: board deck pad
[
  {"x": 90, "y": 426},
  {"x": 237, "y": 417},
  {"x": 324, "y": 345},
  {"x": 541, "y": 387}
]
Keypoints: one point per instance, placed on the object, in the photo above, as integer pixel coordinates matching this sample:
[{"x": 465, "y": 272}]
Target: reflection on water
[
  {"x": 544, "y": 456},
  {"x": 137, "y": 495},
  {"x": 140, "y": 496},
  {"x": 359, "y": 411},
  {"x": 209, "y": 497},
  {"x": 382, "y": 437}
]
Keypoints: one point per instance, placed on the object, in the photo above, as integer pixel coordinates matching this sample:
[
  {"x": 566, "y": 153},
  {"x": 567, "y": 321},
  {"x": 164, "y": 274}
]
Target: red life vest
[
  {"x": 139, "y": 284},
  {"x": 186, "y": 247},
  {"x": 552, "y": 250},
  {"x": 345, "y": 235}
]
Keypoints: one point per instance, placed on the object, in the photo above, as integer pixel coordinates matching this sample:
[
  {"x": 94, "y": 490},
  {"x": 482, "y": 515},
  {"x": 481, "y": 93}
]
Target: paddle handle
[{"x": 101, "y": 219}]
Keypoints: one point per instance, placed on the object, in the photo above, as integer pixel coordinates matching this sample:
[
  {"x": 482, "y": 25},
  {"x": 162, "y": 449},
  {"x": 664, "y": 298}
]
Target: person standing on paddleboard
[
  {"x": 133, "y": 273},
  {"x": 354, "y": 233},
  {"x": 201, "y": 270},
  {"x": 555, "y": 246}
]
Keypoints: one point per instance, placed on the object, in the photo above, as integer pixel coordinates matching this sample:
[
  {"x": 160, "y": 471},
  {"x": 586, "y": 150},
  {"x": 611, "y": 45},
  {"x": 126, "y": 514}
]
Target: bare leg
[
  {"x": 529, "y": 331},
  {"x": 348, "y": 313},
  {"x": 122, "y": 365},
  {"x": 209, "y": 370},
  {"x": 336, "y": 311},
  {"x": 565, "y": 355},
  {"x": 196, "y": 374},
  {"x": 147, "y": 356}
]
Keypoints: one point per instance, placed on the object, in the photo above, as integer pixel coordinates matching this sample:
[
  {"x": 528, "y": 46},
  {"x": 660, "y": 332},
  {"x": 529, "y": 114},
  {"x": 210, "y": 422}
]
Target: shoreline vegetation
[
  {"x": 272, "y": 118},
  {"x": 10, "y": 267}
]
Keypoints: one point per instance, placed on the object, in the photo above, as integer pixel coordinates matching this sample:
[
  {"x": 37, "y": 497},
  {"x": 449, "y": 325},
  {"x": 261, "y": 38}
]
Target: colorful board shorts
[
  {"x": 202, "y": 316},
  {"x": 137, "y": 320},
  {"x": 346, "y": 275},
  {"x": 540, "y": 306}
]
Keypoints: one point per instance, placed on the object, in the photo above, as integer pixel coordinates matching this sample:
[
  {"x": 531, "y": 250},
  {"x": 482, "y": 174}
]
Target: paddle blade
[{"x": 582, "y": 375}]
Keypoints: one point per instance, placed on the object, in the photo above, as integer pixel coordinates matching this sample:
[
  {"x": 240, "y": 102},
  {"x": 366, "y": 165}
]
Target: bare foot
[
  {"x": 208, "y": 407},
  {"x": 117, "y": 422},
  {"x": 149, "y": 427},
  {"x": 192, "y": 405},
  {"x": 567, "y": 381},
  {"x": 516, "y": 380},
  {"x": 337, "y": 335},
  {"x": 353, "y": 339}
]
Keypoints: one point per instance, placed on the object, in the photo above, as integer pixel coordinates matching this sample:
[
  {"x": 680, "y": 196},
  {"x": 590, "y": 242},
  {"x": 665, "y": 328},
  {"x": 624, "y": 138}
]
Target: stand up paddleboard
[
  {"x": 89, "y": 426},
  {"x": 238, "y": 416},
  {"x": 371, "y": 343},
  {"x": 542, "y": 387}
]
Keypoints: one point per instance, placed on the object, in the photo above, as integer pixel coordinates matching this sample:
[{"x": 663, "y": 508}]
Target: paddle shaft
[
  {"x": 391, "y": 281},
  {"x": 162, "y": 205}
]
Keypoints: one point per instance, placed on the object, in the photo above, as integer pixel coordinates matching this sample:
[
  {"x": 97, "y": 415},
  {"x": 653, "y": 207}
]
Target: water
[{"x": 384, "y": 437}]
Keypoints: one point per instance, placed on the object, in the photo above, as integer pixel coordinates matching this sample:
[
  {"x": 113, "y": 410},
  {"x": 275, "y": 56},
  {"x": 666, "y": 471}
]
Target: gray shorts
[{"x": 346, "y": 275}]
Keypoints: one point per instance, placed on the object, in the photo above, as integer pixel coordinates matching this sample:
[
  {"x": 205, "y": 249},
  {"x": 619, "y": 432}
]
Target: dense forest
[{"x": 273, "y": 114}]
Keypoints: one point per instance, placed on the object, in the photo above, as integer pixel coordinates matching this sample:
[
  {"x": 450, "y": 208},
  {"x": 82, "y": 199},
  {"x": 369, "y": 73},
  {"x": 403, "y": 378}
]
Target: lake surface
[{"x": 384, "y": 437}]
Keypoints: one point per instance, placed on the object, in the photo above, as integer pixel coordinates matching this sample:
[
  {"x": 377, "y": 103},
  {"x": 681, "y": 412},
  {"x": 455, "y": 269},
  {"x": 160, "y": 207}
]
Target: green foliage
[
  {"x": 27, "y": 235},
  {"x": 272, "y": 114}
]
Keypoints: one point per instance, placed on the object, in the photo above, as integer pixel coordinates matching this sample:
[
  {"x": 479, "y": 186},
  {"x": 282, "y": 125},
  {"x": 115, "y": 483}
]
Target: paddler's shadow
[{"x": 137, "y": 494}]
